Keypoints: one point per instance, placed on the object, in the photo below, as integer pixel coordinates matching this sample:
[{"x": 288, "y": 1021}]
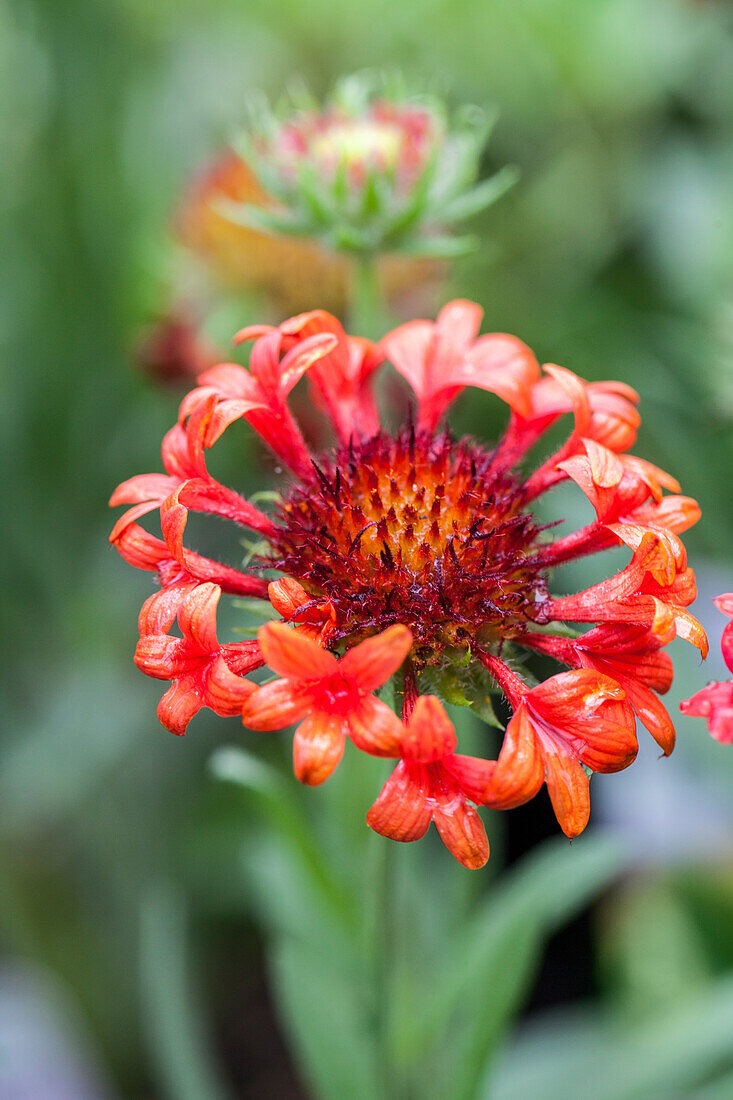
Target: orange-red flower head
[{"x": 409, "y": 553}]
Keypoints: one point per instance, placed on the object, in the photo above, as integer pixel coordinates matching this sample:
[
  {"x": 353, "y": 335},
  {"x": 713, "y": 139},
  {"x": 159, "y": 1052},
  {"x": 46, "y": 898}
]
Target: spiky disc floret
[{"x": 416, "y": 529}]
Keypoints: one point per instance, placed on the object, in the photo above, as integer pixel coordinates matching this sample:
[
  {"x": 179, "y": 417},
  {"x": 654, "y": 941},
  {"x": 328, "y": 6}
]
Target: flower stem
[
  {"x": 383, "y": 946},
  {"x": 366, "y": 308}
]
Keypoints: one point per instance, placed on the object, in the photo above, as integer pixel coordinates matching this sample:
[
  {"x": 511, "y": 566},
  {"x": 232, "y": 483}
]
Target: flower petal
[
  {"x": 144, "y": 488},
  {"x": 297, "y": 361},
  {"x": 407, "y": 349},
  {"x": 606, "y": 743},
  {"x": 318, "y": 746},
  {"x": 519, "y": 772},
  {"x": 714, "y": 702},
  {"x": 463, "y": 833},
  {"x": 181, "y": 702},
  {"x": 652, "y": 713},
  {"x": 294, "y": 656},
  {"x": 197, "y": 617},
  {"x": 375, "y": 728},
  {"x": 164, "y": 657},
  {"x": 569, "y": 791},
  {"x": 471, "y": 774},
  {"x": 159, "y": 611},
  {"x": 503, "y": 365},
  {"x": 225, "y": 691},
  {"x": 429, "y": 734},
  {"x": 371, "y": 663},
  {"x": 401, "y": 812},
  {"x": 274, "y": 706},
  {"x": 568, "y": 696}
]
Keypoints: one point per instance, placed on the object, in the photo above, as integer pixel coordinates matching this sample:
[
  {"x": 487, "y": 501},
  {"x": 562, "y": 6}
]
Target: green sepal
[
  {"x": 283, "y": 224},
  {"x": 439, "y": 247},
  {"x": 463, "y": 682},
  {"x": 261, "y": 608},
  {"x": 483, "y": 707},
  {"x": 481, "y": 196}
]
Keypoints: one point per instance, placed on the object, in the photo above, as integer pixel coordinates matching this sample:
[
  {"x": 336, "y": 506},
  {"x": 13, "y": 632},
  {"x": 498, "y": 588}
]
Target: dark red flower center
[{"x": 418, "y": 530}]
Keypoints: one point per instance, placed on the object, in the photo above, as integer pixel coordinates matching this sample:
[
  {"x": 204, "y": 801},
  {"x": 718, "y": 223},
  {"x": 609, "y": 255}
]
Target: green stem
[
  {"x": 379, "y": 934},
  {"x": 366, "y": 308}
]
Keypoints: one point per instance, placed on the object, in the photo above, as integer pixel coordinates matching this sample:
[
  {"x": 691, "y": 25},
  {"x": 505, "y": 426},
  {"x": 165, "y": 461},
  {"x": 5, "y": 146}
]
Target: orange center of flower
[{"x": 416, "y": 530}]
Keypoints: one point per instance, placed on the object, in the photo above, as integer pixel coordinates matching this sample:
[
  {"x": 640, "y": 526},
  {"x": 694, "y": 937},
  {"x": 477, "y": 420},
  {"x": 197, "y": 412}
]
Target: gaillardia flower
[
  {"x": 415, "y": 557},
  {"x": 371, "y": 171}
]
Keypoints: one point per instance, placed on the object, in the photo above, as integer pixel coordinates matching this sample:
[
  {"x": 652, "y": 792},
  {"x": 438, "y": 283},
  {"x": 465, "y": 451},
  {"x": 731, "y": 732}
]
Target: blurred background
[{"x": 132, "y": 952}]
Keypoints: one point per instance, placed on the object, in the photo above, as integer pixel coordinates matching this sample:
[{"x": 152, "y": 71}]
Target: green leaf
[
  {"x": 487, "y": 966},
  {"x": 171, "y": 1006},
  {"x": 666, "y": 1057},
  {"x": 464, "y": 683},
  {"x": 329, "y": 1027},
  {"x": 315, "y": 196},
  {"x": 275, "y": 796}
]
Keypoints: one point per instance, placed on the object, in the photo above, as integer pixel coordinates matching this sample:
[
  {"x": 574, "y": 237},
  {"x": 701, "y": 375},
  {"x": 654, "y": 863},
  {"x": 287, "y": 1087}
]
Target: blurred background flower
[{"x": 612, "y": 255}]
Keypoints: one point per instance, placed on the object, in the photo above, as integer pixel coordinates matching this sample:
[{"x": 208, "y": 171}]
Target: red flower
[
  {"x": 572, "y": 719},
  {"x": 724, "y": 603},
  {"x": 414, "y": 547},
  {"x": 427, "y": 785},
  {"x": 331, "y": 698},
  {"x": 715, "y": 702},
  {"x": 614, "y": 484},
  {"x": 439, "y": 360},
  {"x": 204, "y": 673}
]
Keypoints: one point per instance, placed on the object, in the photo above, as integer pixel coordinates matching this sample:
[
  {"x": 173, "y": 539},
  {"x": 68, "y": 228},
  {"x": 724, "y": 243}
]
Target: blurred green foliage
[{"x": 613, "y": 254}]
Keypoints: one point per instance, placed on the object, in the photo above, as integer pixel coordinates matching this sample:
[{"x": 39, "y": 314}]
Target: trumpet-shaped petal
[
  {"x": 439, "y": 360},
  {"x": 572, "y": 719},
  {"x": 631, "y": 655},
  {"x": 335, "y": 695},
  {"x": 260, "y": 393},
  {"x": 144, "y": 551},
  {"x": 340, "y": 379},
  {"x": 615, "y": 484},
  {"x": 724, "y": 603},
  {"x": 648, "y": 592},
  {"x": 204, "y": 673},
  {"x": 184, "y": 461},
  {"x": 426, "y": 786},
  {"x": 314, "y": 618}
]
